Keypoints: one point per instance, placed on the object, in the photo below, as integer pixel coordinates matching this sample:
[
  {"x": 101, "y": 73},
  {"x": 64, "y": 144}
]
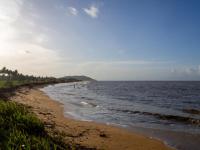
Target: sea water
[{"x": 168, "y": 107}]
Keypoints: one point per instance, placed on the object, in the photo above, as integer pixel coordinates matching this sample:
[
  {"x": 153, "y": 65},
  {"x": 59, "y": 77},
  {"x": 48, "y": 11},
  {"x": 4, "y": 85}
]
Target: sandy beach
[{"x": 88, "y": 134}]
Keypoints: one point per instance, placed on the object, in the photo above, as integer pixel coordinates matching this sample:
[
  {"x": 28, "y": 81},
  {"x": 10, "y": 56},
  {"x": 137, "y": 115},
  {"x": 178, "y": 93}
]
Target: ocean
[{"x": 164, "y": 110}]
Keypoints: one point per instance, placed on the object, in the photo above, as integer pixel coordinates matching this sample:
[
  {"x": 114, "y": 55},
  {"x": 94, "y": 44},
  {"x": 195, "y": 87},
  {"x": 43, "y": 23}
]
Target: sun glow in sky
[{"x": 104, "y": 39}]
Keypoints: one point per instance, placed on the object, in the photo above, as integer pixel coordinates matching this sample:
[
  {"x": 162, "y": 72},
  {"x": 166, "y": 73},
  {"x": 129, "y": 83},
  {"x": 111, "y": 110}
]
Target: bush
[
  {"x": 9, "y": 84},
  {"x": 20, "y": 129}
]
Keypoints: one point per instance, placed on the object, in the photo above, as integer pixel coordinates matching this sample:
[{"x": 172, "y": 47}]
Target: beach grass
[
  {"x": 8, "y": 84},
  {"x": 20, "y": 129}
]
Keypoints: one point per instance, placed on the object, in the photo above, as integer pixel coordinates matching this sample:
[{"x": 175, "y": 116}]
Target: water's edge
[{"x": 175, "y": 139}]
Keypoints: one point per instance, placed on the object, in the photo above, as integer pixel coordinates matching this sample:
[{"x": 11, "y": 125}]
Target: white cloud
[
  {"x": 18, "y": 26},
  {"x": 116, "y": 70},
  {"x": 73, "y": 11},
  {"x": 9, "y": 11},
  {"x": 191, "y": 70},
  {"x": 123, "y": 62},
  {"x": 29, "y": 58},
  {"x": 92, "y": 11},
  {"x": 22, "y": 41},
  {"x": 41, "y": 38},
  {"x": 199, "y": 69},
  {"x": 186, "y": 73}
]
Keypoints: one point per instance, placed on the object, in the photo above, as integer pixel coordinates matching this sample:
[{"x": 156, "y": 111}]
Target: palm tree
[{"x": 15, "y": 74}]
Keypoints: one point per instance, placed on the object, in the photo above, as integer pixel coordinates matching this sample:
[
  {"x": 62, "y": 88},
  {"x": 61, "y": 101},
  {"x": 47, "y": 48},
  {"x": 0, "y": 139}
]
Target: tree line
[{"x": 10, "y": 75}]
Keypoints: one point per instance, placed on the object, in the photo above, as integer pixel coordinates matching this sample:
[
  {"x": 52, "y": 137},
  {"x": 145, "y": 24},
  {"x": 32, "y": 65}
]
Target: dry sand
[{"x": 89, "y": 134}]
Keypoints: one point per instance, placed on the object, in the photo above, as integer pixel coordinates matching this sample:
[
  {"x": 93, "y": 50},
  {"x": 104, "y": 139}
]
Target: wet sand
[{"x": 89, "y": 134}]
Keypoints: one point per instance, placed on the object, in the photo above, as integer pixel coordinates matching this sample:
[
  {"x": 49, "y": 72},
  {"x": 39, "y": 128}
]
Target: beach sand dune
[{"x": 89, "y": 134}]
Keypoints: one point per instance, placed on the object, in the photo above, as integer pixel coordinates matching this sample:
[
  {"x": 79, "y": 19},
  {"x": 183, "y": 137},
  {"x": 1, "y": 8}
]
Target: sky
[{"x": 103, "y": 39}]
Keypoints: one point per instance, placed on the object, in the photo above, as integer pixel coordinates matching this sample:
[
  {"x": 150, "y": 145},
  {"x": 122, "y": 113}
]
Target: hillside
[{"x": 78, "y": 78}]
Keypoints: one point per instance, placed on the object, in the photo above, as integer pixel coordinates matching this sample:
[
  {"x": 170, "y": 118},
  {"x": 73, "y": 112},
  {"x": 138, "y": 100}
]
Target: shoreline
[{"x": 89, "y": 134}]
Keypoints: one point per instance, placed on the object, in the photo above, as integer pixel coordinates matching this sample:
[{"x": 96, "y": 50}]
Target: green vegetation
[
  {"x": 10, "y": 79},
  {"x": 20, "y": 129},
  {"x": 9, "y": 84},
  {"x": 77, "y": 78}
]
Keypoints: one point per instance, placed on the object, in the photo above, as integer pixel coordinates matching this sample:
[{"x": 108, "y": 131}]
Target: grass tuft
[{"x": 20, "y": 129}]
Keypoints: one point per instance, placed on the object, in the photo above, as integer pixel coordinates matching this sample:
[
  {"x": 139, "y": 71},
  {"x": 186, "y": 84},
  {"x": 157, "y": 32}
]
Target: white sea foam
[{"x": 84, "y": 103}]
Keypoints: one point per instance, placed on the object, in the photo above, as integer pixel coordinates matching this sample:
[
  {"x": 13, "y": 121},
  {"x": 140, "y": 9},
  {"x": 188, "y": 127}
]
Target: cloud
[
  {"x": 186, "y": 73},
  {"x": 124, "y": 62},
  {"x": 73, "y": 11},
  {"x": 92, "y": 11},
  {"x": 18, "y": 26},
  {"x": 191, "y": 70},
  {"x": 22, "y": 41},
  {"x": 27, "y": 52},
  {"x": 9, "y": 11},
  {"x": 199, "y": 69},
  {"x": 41, "y": 38},
  {"x": 36, "y": 60},
  {"x": 117, "y": 69}
]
